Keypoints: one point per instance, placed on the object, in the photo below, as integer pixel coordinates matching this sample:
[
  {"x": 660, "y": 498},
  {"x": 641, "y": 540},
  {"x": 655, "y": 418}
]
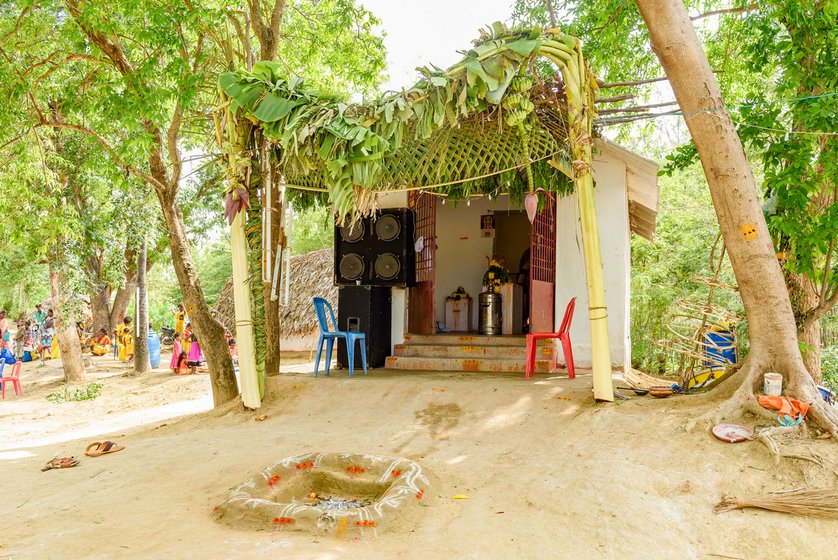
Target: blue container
[
  {"x": 720, "y": 348},
  {"x": 154, "y": 349}
]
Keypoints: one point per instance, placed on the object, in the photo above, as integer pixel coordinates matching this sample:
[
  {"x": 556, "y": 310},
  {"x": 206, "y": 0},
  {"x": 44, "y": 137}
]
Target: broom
[{"x": 814, "y": 503}]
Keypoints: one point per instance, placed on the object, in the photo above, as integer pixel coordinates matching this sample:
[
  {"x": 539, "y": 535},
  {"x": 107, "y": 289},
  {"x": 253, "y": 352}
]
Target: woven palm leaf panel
[{"x": 477, "y": 148}]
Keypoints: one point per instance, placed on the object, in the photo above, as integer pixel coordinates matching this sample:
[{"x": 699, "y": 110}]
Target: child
[
  {"x": 186, "y": 339},
  {"x": 179, "y": 357},
  {"x": 195, "y": 355},
  {"x": 234, "y": 353},
  {"x": 20, "y": 335}
]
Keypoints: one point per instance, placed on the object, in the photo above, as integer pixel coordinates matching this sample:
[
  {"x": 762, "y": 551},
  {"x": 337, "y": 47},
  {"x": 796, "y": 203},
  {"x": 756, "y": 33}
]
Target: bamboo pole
[
  {"x": 248, "y": 374},
  {"x": 580, "y": 115}
]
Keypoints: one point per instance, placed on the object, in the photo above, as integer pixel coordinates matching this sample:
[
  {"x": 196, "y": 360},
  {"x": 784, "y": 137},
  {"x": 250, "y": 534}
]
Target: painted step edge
[
  {"x": 461, "y": 351},
  {"x": 448, "y": 339},
  {"x": 460, "y": 364}
]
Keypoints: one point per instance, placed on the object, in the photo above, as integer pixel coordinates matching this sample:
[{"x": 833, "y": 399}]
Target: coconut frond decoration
[{"x": 486, "y": 125}]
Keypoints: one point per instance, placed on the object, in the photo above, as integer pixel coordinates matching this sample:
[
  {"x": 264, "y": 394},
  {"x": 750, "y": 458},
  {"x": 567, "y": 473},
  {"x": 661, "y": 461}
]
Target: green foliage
[
  {"x": 324, "y": 141},
  {"x": 312, "y": 229},
  {"x": 829, "y": 367},
  {"x": 662, "y": 271},
  {"x": 64, "y": 394}
]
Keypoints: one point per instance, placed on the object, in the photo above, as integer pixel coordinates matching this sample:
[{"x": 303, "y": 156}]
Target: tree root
[{"x": 740, "y": 398}]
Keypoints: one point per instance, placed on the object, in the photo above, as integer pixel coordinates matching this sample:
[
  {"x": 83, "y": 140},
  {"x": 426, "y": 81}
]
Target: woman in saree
[{"x": 101, "y": 345}]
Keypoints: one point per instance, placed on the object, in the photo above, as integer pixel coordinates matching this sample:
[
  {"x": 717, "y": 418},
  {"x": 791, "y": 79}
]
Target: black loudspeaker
[
  {"x": 365, "y": 309},
  {"x": 377, "y": 251}
]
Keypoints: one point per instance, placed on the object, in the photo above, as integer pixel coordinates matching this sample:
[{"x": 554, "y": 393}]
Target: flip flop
[
  {"x": 60, "y": 463},
  {"x": 102, "y": 448}
]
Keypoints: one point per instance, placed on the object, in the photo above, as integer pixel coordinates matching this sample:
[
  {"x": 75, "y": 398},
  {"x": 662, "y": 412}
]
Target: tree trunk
[
  {"x": 772, "y": 327},
  {"x": 804, "y": 297},
  {"x": 141, "y": 363},
  {"x": 65, "y": 330},
  {"x": 100, "y": 306},
  {"x": 121, "y": 301},
  {"x": 209, "y": 331},
  {"x": 272, "y": 324}
]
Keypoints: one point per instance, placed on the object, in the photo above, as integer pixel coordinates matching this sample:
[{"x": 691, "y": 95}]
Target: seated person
[{"x": 101, "y": 345}]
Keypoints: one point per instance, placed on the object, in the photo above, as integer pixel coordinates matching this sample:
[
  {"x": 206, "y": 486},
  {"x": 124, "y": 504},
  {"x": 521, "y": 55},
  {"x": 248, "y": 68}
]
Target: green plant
[
  {"x": 829, "y": 367},
  {"x": 89, "y": 391}
]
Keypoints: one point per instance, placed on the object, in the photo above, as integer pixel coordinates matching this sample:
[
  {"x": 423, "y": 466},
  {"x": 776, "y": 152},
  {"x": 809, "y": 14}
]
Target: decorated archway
[{"x": 514, "y": 117}]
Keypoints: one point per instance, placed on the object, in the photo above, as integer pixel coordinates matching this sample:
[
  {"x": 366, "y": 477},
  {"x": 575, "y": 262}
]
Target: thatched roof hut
[{"x": 311, "y": 275}]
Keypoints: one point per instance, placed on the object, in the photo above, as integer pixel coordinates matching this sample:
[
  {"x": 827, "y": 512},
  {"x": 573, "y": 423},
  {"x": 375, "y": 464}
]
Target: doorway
[{"x": 512, "y": 243}]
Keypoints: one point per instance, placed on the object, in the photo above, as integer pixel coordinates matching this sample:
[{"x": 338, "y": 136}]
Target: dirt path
[{"x": 548, "y": 474}]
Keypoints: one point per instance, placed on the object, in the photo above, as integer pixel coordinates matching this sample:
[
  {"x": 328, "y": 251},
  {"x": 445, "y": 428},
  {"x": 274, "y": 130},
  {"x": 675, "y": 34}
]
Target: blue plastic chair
[{"x": 329, "y": 336}]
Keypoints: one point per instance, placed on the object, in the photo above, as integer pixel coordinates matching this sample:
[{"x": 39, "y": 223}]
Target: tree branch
[
  {"x": 603, "y": 85},
  {"x": 748, "y": 8},
  {"x": 614, "y": 99},
  {"x": 276, "y": 24},
  {"x": 552, "y": 13},
  {"x": 638, "y": 109},
  {"x": 256, "y": 18},
  {"x": 15, "y": 29},
  {"x": 104, "y": 143},
  {"x": 171, "y": 144},
  {"x": 824, "y": 307}
]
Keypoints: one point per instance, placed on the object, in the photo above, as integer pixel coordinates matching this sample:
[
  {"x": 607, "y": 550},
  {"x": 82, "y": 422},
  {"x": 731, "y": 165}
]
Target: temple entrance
[{"x": 512, "y": 243}]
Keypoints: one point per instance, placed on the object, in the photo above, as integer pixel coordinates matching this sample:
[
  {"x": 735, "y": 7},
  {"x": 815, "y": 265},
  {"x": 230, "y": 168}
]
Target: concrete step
[
  {"x": 461, "y": 351},
  {"x": 495, "y": 365},
  {"x": 465, "y": 339}
]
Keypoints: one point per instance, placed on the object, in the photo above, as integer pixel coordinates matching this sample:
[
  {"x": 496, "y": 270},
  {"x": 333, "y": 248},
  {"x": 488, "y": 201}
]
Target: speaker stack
[
  {"x": 377, "y": 251},
  {"x": 371, "y": 256},
  {"x": 365, "y": 309}
]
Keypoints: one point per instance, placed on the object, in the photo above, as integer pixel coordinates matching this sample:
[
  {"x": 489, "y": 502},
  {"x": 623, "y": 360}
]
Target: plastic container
[
  {"x": 772, "y": 384},
  {"x": 720, "y": 349},
  {"x": 153, "y": 349}
]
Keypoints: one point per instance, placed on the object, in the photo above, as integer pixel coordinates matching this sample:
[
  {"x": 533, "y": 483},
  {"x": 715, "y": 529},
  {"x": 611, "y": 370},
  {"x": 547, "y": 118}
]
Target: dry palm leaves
[{"x": 813, "y": 503}]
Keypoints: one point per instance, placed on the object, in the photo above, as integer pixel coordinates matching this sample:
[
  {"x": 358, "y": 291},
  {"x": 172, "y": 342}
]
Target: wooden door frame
[
  {"x": 421, "y": 317},
  {"x": 543, "y": 269}
]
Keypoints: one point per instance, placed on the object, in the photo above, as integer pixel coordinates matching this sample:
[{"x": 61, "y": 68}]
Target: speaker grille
[
  {"x": 351, "y": 267},
  {"x": 352, "y": 233},
  {"x": 387, "y": 227},
  {"x": 387, "y": 266}
]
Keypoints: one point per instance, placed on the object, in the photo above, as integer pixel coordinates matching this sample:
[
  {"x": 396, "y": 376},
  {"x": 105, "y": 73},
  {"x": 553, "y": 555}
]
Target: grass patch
[{"x": 89, "y": 391}]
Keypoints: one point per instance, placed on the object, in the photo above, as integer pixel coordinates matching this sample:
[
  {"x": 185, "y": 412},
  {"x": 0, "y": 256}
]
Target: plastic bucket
[
  {"x": 772, "y": 384},
  {"x": 153, "y": 349}
]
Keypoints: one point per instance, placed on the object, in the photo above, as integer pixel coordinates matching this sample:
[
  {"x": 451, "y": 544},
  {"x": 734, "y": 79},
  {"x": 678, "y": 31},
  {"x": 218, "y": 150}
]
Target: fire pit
[{"x": 328, "y": 493}]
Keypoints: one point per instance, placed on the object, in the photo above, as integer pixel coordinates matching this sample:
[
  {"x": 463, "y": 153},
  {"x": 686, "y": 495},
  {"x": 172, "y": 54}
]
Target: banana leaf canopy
[{"x": 490, "y": 124}]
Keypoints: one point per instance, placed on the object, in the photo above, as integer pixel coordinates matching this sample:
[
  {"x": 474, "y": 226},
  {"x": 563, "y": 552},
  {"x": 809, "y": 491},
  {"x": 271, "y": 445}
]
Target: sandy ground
[{"x": 548, "y": 473}]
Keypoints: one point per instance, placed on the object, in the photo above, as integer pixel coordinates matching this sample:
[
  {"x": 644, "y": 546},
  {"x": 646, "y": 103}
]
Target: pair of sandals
[{"x": 95, "y": 449}]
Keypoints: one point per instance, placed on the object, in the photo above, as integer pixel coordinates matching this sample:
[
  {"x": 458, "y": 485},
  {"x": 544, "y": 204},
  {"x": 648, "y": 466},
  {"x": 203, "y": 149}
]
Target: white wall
[
  {"x": 461, "y": 252},
  {"x": 612, "y": 218}
]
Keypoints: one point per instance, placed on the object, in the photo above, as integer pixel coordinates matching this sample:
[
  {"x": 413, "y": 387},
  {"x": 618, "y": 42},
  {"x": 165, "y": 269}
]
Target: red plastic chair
[
  {"x": 563, "y": 334},
  {"x": 14, "y": 377}
]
